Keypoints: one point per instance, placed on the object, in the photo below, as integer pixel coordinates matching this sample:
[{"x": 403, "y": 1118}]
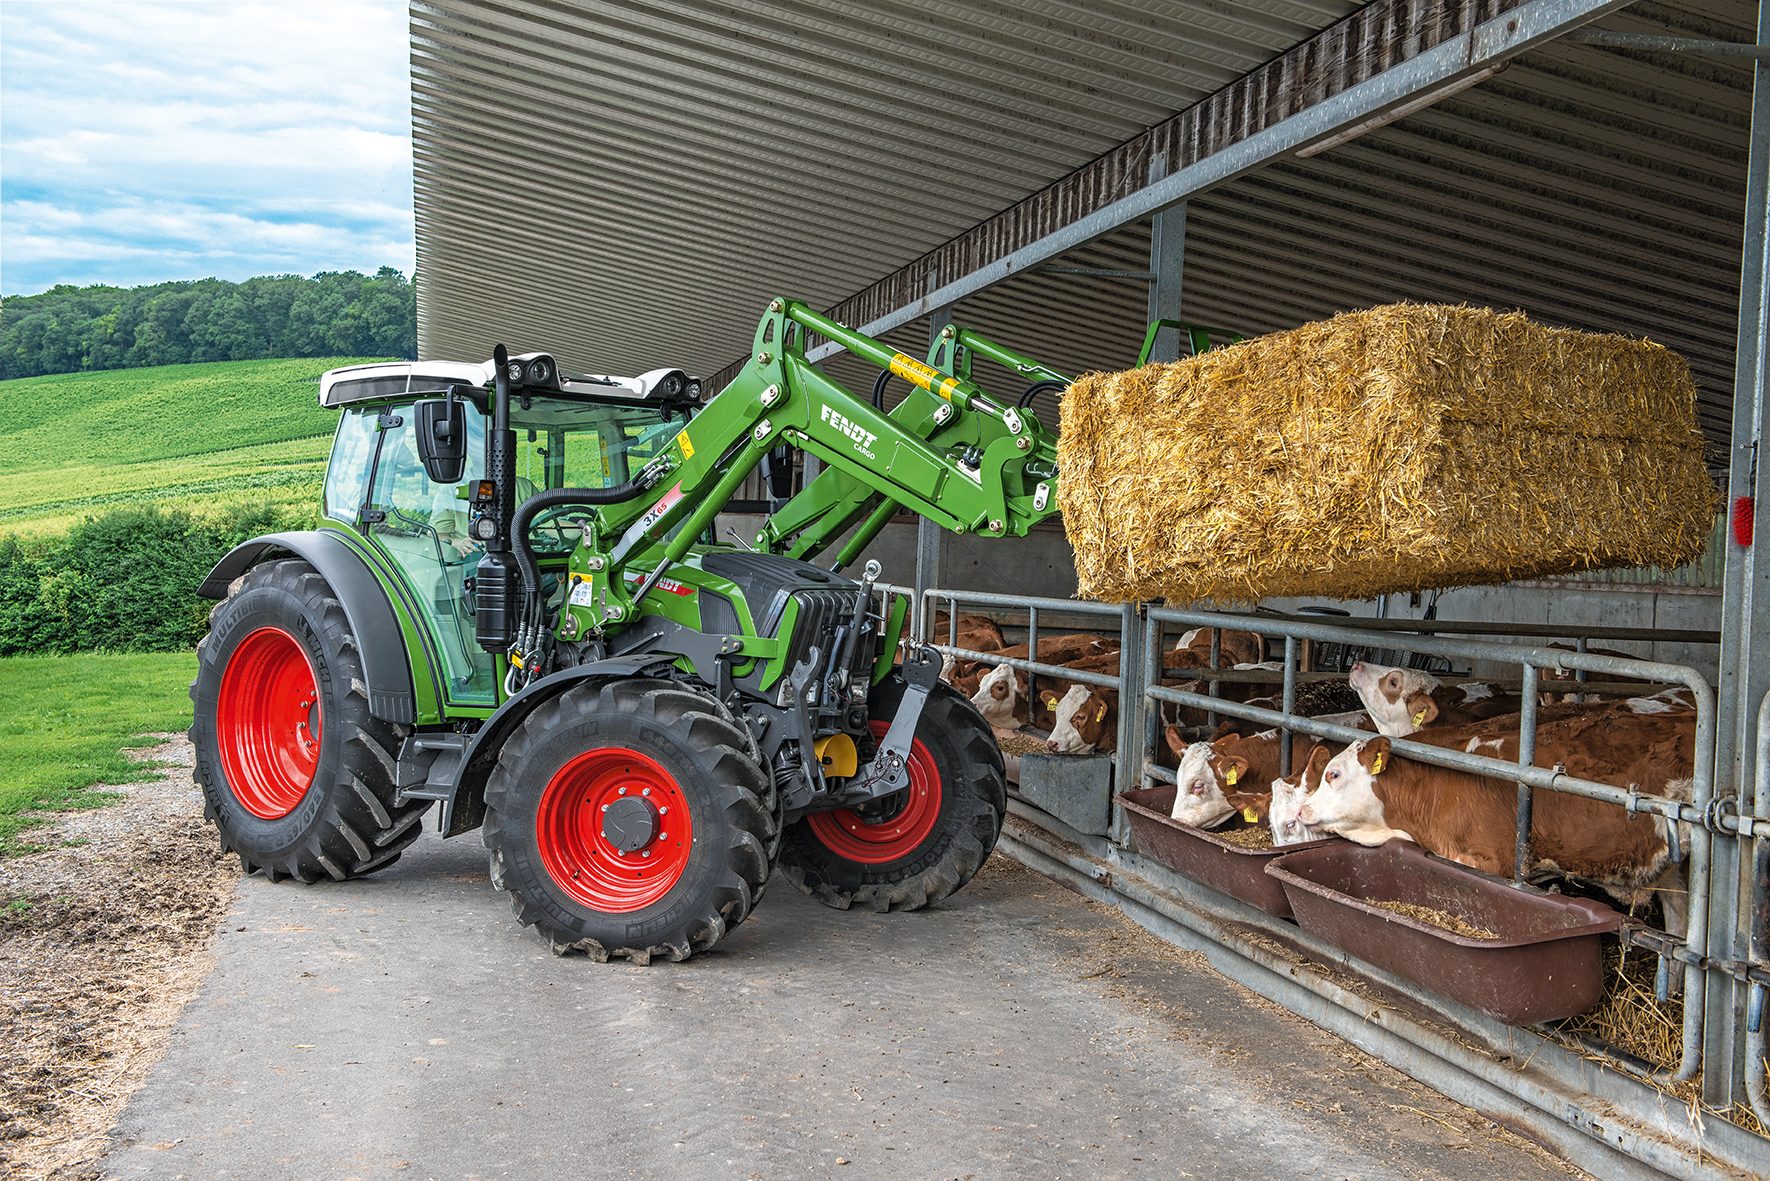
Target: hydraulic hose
[
  {"x": 1040, "y": 387},
  {"x": 553, "y": 498},
  {"x": 879, "y": 389}
]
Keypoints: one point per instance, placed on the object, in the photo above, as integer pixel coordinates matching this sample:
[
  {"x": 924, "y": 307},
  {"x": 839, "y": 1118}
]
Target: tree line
[
  {"x": 334, "y": 314},
  {"x": 123, "y": 581}
]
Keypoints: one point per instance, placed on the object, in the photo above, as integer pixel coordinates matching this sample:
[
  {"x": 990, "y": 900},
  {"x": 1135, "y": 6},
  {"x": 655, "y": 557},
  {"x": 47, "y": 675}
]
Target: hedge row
[{"x": 125, "y": 581}]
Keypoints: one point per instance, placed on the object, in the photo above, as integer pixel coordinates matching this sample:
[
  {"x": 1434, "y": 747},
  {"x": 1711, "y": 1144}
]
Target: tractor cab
[{"x": 572, "y": 430}]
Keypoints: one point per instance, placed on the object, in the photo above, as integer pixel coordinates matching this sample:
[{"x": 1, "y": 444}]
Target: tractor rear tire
[
  {"x": 628, "y": 817},
  {"x": 918, "y": 845},
  {"x": 296, "y": 776}
]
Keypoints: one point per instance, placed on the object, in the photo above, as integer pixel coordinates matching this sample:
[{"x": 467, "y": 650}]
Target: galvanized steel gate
[{"x": 1595, "y": 1105}]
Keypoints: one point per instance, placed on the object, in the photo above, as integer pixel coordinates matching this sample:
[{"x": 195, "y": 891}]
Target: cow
[
  {"x": 1370, "y": 795},
  {"x": 1288, "y": 794},
  {"x": 1235, "y": 647},
  {"x": 1211, "y": 776},
  {"x": 1001, "y": 697},
  {"x": 1402, "y": 700},
  {"x": 1052, "y": 650},
  {"x": 1088, "y": 720}
]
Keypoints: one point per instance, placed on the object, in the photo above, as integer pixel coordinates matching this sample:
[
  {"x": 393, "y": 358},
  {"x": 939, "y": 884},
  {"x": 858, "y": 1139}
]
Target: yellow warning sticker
[
  {"x": 687, "y": 447},
  {"x": 918, "y": 373}
]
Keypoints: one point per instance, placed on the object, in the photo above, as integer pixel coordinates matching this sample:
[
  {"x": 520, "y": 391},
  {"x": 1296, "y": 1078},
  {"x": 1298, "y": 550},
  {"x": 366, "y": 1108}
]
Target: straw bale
[{"x": 1403, "y": 448}]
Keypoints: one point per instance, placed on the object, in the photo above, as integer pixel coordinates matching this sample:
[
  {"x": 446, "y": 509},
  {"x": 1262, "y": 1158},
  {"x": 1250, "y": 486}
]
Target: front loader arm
[{"x": 949, "y": 452}]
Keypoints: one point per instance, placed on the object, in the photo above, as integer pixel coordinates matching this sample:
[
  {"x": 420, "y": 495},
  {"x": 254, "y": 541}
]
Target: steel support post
[
  {"x": 1745, "y": 616},
  {"x": 1133, "y": 709},
  {"x": 1167, "y": 257},
  {"x": 931, "y": 538}
]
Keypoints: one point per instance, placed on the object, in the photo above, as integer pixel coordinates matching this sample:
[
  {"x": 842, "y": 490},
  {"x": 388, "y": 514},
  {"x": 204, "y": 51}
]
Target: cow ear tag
[
  {"x": 1251, "y": 816},
  {"x": 1230, "y": 779},
  {"x": 1101, "y": 715},
  {"x": 1377, "y": 765},
  {"x": 1420, "y": 718}
]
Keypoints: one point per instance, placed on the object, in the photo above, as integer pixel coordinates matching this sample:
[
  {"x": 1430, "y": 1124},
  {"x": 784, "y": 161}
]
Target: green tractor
[{"x": 517, "y": 610}]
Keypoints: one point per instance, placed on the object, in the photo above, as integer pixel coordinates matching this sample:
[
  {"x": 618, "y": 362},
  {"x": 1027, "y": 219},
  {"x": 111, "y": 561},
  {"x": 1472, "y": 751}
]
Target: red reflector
[{"x": 1743, "y": 509}]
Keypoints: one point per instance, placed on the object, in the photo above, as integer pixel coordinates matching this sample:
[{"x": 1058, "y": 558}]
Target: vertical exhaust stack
[{"x": 495, "y": 580}]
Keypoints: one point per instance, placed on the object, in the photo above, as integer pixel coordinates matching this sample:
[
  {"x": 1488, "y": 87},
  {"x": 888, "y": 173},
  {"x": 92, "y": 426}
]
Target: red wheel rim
[
  {"x": 268, "y": 723},
  {"x": 847, "y": 834},
  {"x": 579, "y": 854}
]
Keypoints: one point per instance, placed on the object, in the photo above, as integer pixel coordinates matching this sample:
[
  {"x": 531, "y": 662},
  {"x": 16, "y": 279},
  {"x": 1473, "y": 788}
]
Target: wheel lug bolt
[
  {"x": 645, "y": 853},
  {"x": 605, "y": 807},
  {"x": 622, "y": 792},
  {"x": 646, "y": 792},
  {"x": 663, "y": 811}
]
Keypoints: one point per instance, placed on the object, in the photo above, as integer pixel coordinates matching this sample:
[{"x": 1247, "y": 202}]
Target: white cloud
[{"x": 179, "y": 140}]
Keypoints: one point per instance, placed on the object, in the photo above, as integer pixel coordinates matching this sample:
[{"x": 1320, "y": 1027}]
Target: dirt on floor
[{"x": 103, "y": 937}]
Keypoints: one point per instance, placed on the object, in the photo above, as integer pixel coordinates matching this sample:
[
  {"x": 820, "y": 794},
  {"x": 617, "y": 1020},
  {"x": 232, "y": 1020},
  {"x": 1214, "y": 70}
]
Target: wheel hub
[
  {"x": 629, "y": 823},
  {"x": 613, "y": 829}
]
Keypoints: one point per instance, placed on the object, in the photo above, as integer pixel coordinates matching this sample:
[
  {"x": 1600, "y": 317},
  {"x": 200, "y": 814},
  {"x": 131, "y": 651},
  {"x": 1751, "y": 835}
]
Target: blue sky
[{"x": 147, "y": 141}]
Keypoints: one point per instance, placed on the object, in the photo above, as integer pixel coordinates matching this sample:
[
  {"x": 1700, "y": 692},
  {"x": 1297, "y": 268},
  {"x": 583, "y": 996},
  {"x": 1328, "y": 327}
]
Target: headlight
[
  {"x": 515, "y": 370},
  {"x": 670, "y": 386},
  {"x": 539, "y": 372},
  {"x": 694, "y": 389}
]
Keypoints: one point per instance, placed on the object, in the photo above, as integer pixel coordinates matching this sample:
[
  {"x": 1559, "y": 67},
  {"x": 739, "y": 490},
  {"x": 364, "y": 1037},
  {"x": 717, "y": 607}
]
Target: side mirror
[{"x": 442, "y": 439}]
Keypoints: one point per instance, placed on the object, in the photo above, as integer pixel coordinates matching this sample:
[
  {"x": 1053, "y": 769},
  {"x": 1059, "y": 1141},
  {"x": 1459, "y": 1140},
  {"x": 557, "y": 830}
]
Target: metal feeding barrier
[{"x": 1579, "y": 1096}]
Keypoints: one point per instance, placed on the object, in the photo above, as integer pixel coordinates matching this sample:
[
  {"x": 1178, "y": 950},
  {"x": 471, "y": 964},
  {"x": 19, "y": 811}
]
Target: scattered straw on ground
[
  {"x": 1397, "y": 449},
  {"x": 1456, "y": 924},
  {"x": 102, "y": 939},
  {"x": 1631, "y": 1019}
]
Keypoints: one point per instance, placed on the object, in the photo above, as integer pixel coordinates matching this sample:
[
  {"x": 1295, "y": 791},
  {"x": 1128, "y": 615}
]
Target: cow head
[
  {"x": 1199, "y": 799},
  {"x": 1287, "y": 800},
  {"x": 1399, "y": 699},
  {"x": 997, "y": 695},
  {"x": 1346, "y": 802},
  {"x": 1074, "y": 711}
]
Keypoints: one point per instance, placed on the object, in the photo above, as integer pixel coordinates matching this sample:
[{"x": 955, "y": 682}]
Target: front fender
[
  {"x": 387, "y": 666},
  {"x": 464, "y": 800}
]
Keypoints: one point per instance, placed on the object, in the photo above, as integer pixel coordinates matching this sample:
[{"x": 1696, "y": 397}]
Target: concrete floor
[{"x": 404, "y": 1026}]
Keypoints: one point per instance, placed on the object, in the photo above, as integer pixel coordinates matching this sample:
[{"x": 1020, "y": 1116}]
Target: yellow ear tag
[
  {"x": 1377, "y": 765},
  {"x": 1230, "y": 778},
  {"x": 1101, "y": 715},
  {"x": 1251, "y": 816},
  {"x": 1420, "y": 718}
]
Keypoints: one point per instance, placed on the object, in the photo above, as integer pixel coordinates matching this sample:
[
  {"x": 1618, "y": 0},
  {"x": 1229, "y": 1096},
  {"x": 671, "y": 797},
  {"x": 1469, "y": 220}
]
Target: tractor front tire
[
  {"x": 918, "y": 845},
  {"x": 296, "y": 776},
  {"x": 628, "y": 817}
]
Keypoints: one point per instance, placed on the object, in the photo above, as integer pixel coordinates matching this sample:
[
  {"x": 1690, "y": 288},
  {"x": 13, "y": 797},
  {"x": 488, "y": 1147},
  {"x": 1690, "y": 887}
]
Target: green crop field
[
  {"x": 66, "y": 721},
  {"x": 187, "y": 436}
]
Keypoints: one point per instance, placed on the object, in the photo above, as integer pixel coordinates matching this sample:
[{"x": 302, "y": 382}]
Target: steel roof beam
[{"x": 1447, "y": 66}]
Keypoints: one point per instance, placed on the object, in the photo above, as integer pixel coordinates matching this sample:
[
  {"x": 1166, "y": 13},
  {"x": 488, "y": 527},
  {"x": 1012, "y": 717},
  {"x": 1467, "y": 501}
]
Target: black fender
[
  {"x": 387, "y": 667},
  {"x": 429, "y": 763}
]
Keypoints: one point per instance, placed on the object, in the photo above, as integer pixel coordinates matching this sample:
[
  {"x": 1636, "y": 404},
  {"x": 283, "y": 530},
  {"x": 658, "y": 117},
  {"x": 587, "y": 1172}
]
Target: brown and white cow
[
  {"x": 1402, "y": 700},
  {"x": 1235, "y": 647},
  {"x": 966, "y": 674},
  {"x": 1213, "y": 778},
  {"x": 1288, "y": 794},
  {"x": 1370, "y": 795}
]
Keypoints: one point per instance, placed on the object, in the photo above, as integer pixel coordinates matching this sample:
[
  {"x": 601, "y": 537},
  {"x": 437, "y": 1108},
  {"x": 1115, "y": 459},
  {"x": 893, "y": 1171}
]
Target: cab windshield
[{"x": 377, "y": 482}]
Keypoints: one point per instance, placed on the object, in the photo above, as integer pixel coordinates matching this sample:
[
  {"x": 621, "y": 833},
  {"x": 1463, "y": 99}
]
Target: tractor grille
[{"x": 821, "y": 612}]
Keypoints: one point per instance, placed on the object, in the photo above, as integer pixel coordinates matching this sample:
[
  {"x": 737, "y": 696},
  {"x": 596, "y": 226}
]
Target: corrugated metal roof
[
  {"x": 1593, "y": 187},
  {"x": 631, "y": 181}
]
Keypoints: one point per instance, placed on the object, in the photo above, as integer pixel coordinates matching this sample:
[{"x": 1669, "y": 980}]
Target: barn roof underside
[{"x": 628, "y": 183}]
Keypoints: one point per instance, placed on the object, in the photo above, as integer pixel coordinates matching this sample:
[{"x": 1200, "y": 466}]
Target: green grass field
[
  {"x": 66, "y": 722},
  {"x": 186, "y": 436}
]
